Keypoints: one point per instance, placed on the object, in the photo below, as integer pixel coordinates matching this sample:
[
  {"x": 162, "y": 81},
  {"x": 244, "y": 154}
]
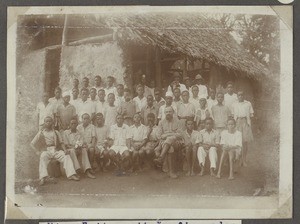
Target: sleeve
[
  {"x": 251, "y": 108},
  {"x": 223, "y": 137},
  {"x": 93, "y": 131},
  {"x": 65, "y": 138},
  {"x": 159, "y": 113},
  {"x": 193, "y": 109},
  {"x": 73, "y": 111},
  {"x": 60, "y": 139},
  {"x": 129, "y": 133},
  {"x": 111, "y": 133},
  {"x": 159, "y": 129},
  {"x": 36, "y": 138},
  {"x": 198, "y": 138},
  {"x": 145, "y": 134},
  {"x": 238, "y": 139},
  {"x": 228, "y": 112}
]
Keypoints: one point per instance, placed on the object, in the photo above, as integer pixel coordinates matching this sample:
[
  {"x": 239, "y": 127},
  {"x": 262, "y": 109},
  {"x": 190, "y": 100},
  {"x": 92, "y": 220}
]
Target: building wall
[
  {"x": 30, "y": 86},
  {"x": 90, "y": 60}
]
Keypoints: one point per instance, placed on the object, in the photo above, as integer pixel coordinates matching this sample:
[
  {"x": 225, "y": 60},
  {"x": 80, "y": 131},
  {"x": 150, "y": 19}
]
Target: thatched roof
[{"x": 193, "y": 35}]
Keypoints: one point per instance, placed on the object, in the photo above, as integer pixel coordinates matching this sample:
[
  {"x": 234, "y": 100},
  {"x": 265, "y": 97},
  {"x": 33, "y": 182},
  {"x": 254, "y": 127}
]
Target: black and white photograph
[{"x": 174, "y": 111}]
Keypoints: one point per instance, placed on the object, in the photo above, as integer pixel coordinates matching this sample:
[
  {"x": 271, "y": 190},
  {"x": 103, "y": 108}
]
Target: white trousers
[
  {"x": 85, "y": 162},
  {"x": 60, "y": 156},
  {"x": 212, "y": 154}
]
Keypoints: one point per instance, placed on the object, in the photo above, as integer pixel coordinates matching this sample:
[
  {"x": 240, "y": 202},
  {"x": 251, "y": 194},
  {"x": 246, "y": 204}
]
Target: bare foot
[
  {"x": 230, "y": 178},
  {"x": 218, "y": 176},
  {"x": 212, "y": 172},
  {"x": 201, "y": 172}
]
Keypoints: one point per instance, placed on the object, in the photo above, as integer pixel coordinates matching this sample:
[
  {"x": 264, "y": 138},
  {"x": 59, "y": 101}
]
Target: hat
[
  {"x": 169, "y": 94},
  {"x": 202, "y": 97},
  {"x": 67, "y": 93},
  {"x": 198, "y": 76}
]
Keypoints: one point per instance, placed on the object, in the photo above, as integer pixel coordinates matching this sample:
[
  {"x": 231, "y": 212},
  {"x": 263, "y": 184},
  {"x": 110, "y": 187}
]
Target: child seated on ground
[
  {"x": 190, "y": 149},
  {"x": 101, "y": 149},
  {"x": 208, "y": 140},
  {"x": 231, "y": 142}
]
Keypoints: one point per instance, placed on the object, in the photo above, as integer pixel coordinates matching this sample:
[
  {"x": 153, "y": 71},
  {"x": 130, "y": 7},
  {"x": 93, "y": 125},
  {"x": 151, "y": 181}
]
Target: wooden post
[
  {"x": 65, "y": 29},
  {"x": 158, "y": 74},
  {"x": 184, "y": 69}
]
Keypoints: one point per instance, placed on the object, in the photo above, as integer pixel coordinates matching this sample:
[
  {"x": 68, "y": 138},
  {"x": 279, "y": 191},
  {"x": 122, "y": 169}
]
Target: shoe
[
  {"x": 73, "y": 177},
  {"x": 89, "y": 175}
]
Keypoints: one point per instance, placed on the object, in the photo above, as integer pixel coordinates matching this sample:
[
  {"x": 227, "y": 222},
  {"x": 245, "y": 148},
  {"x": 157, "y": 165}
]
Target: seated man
[
  {"x": 208, "y": 140},
  {"x": 152, "y": 145},
  {"x": 169, "y": 131},
  {"x": 49, "y": 145},
  {"x": 87, "y": 131},
  {"x": 138, "y": 133},
  {"x": 73, "y": 142},
  {"x": 102, "y": 134},
  {"x": 119, "y": 151},
  {"x": 190, "y": 137}
]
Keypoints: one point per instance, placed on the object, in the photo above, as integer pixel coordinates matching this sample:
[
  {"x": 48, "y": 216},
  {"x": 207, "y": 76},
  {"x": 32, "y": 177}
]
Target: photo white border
[{"x": 275, "y": 205}]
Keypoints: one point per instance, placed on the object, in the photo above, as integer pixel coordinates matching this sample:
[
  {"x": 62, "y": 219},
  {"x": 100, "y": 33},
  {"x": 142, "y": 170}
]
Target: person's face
[
  {"x": 230, "y": 88},
  {"x": 187, "y": 82},
  {"x": 93, "y": 93},
  {"x": 150, "y": 100},
  {"x": 75, "y": 93},
  {"x": 190, "y": 125},
  {"x": 177, "y": 93},
  {"x": 120, "y": 120},
  {"x": 84, "y": 94},
  {"x": 208, "y": 125},
  {"x": 212, "y": 93},
  {"x": 169, "y": 100},
  {"x": 85, "y": 82},
  {"x": 199, "y": 81},
  {"x": 140, "y": 91},
  {"x": 111, "y": 99},
  {"x": 152, "y": 84},
  {"x": 120, "y": 90},
  {"x": 86, "y": 120},
  {"x": 97, "y": 81},
  {"x": 176, "y": 79},
  {"x": 45, "y": 98},
  {"x": 75, "y": 82},
  {"x": 136, "y": 118},
  {"x": 202, "y": 102},
  {"x": 185, "y": 96},
  {"x": 57, "y": 93},
  {"x": 169, "y": 113},
  {"x": 48, "y": 122},
  {"x": 66, "y": 99},
  {"x": 157, "y": 96},
  {"x": 100, "y": 120},
  {"x": 110, "y": 82},
  {"x": 127, "y": 96},
  {"x": 101, "y": 95},
  {"x": 240, "y": 96},
  {"x": 230, "y": 125},
  {"x": 220, "y": 98},
  {"x": 195, "y": 91},
  {"x": 73, "y": 124},
  {"x": 151, "y": 120}
]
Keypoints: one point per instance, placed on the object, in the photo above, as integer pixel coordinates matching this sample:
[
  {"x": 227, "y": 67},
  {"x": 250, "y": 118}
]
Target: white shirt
[
  {"x": 139, "y": 103},
  {"x": 119, "y": 100},
  {"x": 195, "y": 102},
  {"x": 109, "y": 90},
  {"x": 202, "y": 91},
  {"x": 229, "y": 100},
  {"x": 110, "y": 115},
  {"x": 85, "y": 107},
  {"x": 186, "y": 109},
  {"x": 182, "y": 87},
  {"x": 119, "y": 134},
  {"x": 100, "y": 106},
  {"x": 44, "y": 111},
  {"x": 138, "y": 133},
  {"x": 76, "y": 103},
  {"x": 210, "y": 103},
  {"x": 234, "y": 139},
  {"x": 243, "y": 109},
  {"x": 161, "y": 112}
]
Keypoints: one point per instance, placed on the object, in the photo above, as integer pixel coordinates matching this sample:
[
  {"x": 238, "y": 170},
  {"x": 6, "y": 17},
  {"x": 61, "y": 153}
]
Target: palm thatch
[{"x": 191, "y": 34}]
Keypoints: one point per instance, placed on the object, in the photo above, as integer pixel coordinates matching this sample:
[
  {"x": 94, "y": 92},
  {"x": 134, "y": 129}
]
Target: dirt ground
[{"x": 259, "y": 178}]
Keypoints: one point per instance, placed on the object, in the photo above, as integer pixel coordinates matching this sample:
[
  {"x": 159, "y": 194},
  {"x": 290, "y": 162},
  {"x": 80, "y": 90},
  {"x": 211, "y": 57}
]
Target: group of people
[{"x": 88, "y": 129}]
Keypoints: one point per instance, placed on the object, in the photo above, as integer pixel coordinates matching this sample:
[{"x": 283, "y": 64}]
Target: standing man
[
  {"x": 176, "y": 83},
  {"x": 98, "y": 83},
  {"x": 199, "y": 81},
  {"x": 44, "y": 109},
  {"x": 149, "y": 108},
  {"x": 85, "y": 105}
]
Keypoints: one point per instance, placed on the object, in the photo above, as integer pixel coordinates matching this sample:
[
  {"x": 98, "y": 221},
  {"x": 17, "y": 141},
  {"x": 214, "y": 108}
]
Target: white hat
[
  {"x": 66, "y": 93},
  {"x": 169, "y": 94},
  {"x": 198, "y": 76}
]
